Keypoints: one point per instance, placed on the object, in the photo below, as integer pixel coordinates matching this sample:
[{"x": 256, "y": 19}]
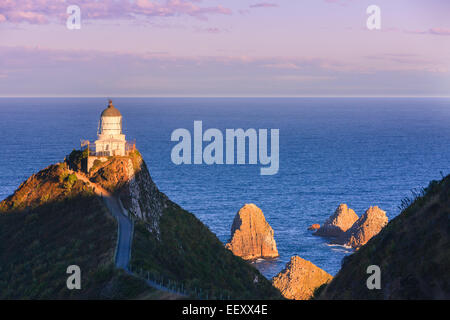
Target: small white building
[{"x": 111, "y": 141}]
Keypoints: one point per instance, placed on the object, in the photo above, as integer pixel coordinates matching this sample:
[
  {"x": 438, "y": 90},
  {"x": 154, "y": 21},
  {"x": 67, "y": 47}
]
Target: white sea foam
[{"x": 342, "y": 247}]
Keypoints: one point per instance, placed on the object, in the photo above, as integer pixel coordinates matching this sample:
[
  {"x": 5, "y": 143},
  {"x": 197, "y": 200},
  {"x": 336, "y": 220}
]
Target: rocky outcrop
[
  {"x": 314, "y": 227},
  {"x": 299, "y": 279},
  {"x": 129, "y": 178},
  {"x": 251, "y": 235},
  {"x": 338, "y": 223},
  {"x": 141, "y": 195},
  {"x": 369, "y": 225}
]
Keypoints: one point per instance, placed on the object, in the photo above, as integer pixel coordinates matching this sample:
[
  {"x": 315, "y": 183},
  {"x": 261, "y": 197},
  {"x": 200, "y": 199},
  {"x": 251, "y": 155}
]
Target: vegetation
[
  {"x": 318, "y": 291},
  {"x": 97, "y": 163},
  {"x": 77, "y": 160},
  {"x": 189, "y": 253},
  {"x": 413, "y": 252},
  {"x": 53, "y": 184},
  {"x": 111, "y": 174},
  {"x": 44, "y": 228}
]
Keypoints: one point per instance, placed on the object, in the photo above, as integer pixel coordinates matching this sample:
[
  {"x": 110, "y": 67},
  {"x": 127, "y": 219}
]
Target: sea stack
[
  {"x": 299, "y": 279},
  {"x": 338, "y": 223},
  {"x": 251, "y": 235},
  {"x": 369, "y": 225}
]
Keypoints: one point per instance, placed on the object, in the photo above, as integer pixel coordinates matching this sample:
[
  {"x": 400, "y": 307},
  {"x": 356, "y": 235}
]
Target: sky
[{"x": 226, "y": 48}]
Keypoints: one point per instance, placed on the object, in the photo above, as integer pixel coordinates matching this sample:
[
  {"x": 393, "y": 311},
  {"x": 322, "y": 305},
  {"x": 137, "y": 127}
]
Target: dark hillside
[
  {"x": 52, "y": 221},
  {"x": 413, "y": 252}
]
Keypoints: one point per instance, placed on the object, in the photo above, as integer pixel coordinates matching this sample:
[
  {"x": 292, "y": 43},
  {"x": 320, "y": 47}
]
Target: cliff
[
  {"x": 55, "y": 219},
  {"x": 251, "y": 235},
  {"x": 300, "y": 279},
  {"x": 129, "y": 178},
  {"x": 412, "y": 251}
]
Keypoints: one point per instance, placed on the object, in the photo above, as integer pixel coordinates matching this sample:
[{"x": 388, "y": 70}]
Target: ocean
[{"x": 359, "y": 151}]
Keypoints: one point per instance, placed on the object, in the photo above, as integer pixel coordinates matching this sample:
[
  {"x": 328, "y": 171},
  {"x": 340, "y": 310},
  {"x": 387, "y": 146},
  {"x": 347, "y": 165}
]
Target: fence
[
  {"x": 177, "y": 287},
  {"x": 130, "y": 146}
]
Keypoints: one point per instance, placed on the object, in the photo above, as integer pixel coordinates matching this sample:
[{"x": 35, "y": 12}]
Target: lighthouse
[
  {"x": 110, "y": 138},
  {"x": 111, "y": 141}
]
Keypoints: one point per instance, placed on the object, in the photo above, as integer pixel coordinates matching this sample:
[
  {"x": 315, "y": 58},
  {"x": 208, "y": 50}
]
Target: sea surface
[{"x": 359, "y": 151}]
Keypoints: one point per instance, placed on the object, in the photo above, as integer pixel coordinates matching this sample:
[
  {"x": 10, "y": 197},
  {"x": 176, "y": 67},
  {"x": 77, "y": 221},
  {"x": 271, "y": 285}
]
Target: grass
[
  {"x": 45, "y": 227},
  {"x": 37, "y": 246},
  {"x": 413, "y": 252},
  {"x": 189, "y": 253}
]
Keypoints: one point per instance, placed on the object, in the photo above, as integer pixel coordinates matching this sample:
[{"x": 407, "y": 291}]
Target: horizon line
[{"x": 223, "y": 97}]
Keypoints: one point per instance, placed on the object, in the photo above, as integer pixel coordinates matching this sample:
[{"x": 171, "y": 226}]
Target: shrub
[
  {"x": 77, "y": 159},
  {"x": 69, "y": 181}
]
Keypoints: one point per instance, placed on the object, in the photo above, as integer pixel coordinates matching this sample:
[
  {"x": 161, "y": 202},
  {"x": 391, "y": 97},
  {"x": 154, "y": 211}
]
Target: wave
[{"x": 342, "y": 247}]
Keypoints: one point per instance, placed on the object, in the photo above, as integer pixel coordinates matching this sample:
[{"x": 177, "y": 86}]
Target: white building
[{"x": 111, "y": 141}]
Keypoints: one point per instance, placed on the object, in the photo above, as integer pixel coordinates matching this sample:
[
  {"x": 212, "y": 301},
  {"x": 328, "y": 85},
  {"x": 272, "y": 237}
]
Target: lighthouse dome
[{"x": 111, "y": 111}]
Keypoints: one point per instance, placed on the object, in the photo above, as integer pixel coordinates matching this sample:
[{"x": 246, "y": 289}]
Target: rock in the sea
[
  {"x": 338, "y": 223},
  {"x": 314, "y": 226},
  {"x": 251, "y": 235},
  {"x": 299, "y": 279},
  {"x": 369, "y": 225}
]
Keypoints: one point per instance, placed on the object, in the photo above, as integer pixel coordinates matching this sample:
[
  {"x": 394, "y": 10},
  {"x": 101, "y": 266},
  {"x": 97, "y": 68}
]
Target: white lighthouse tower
[{"x": 111, "y": 141}]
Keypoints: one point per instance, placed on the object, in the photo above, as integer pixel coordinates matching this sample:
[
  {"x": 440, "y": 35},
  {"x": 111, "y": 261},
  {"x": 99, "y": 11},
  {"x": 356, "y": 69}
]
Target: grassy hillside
[
  {"x": 413, "y": 252},
  {"x": 52, "y": 221},
  {"x": 189, "y": 253}
]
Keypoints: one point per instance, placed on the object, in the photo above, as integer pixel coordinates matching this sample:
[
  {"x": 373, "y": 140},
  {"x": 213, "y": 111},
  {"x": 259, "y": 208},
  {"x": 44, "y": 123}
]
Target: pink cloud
[
  {"x": 29, "y": 16},
  {"x": 432, "y": 31},
  {"x": 264, "y": 5},
  {"x": 440, "y": 31},
  {"x": 17, "y": 59},
  {"x": 283, "y": 65},
  {"x": 40, "y": 71},
  {"x": 212, "y": 30},
  {"x": 44, "y": 11},
  {"x": 339, "y": 2}
]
